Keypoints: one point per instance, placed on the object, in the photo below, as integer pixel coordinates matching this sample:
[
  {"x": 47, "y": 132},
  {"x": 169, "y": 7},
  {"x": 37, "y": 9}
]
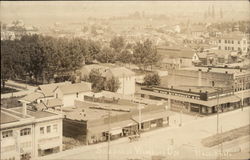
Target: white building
[
  {"x": 234, "y": 42},
  {"x": 29, "y": 134},
  {"x": 68, "y": 93},
  {"x": 126, "y": 78}
]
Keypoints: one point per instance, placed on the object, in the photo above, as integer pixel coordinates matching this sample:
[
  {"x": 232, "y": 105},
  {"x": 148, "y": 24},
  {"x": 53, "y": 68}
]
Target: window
[
  {"x": 48, "y": 129},
  {"x": 244, "y": 48},
  {"x": 76, "y": 94},
  {"x": 41, "y": 130},
  {"x": 56, "y": 95},
  {"x": 55, "y": 128},
  {"x": 244, "y": 41},
  {"x": 225, "y": 41},
  {"x": 232, "y": 48},
  {"x": 25, "y": 131},
  {"x": 219, "y": 47},
  {"x": 238, "y": 42},
  {"x": 225, "y": 48},
  {"x": 232, "y": 41},
  {"x": 6, "y": 134},
  {"x": 219, "y": 41}
]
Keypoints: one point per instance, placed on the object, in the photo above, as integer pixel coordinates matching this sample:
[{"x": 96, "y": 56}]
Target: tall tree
[
  {"x": 118, "y": 43},
  {"x": 111, "y": 84},
  {"x": 145, "y": 54},
  {"x": 152, "y": 79}
]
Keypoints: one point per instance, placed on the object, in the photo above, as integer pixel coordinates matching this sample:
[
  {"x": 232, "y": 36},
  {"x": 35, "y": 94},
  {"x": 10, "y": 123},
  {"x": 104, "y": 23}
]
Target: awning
[
  {"x": 49, "y": 145},
  {"x": 116, "y": 131}
]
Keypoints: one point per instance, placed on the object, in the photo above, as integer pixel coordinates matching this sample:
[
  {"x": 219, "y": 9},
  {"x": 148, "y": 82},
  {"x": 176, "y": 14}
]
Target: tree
[
  {"x": 112, "y": 84},
  {"x": 118, "y": 43},
  {"x": 96, "y": 79},
  {"x": 152, "y": 79},
  {"x": 145, "y": 54},
  {"x": 7, "y": 64},
  {"x": 125, "y": 56},
  {"x": 106, "y": 55}
]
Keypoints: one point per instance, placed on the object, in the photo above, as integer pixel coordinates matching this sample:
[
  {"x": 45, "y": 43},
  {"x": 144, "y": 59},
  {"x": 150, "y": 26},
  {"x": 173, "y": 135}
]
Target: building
[
  {"x": 27, "y": 134},
  {"x": 175, "y": 57},
  {"x": 126, "y": 78},
  {"x": 213, "y": 58},
  {"x": 68, "y": 93},
  {"x": 96, "y": 121},
  {"x": 234, "y": 42},
  {"x": 56, "y": 95},
  {"x": 198, "y": 100}
]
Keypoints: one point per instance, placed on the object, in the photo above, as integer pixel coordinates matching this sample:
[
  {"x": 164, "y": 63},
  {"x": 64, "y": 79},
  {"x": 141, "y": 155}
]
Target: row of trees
[{"x": 48, "y": 58}]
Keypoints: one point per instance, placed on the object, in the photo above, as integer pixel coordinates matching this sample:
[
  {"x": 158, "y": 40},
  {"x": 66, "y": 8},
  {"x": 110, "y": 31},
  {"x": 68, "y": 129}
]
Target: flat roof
[
  {"x": 209, "y": 103},
  {"x": 195, "y": 89},
  {"x": 36, "y": 114},
  {"x": 85, "y": 112},
  {"x": 6, "y": 118},
  {"x": 218, "y": 70}
]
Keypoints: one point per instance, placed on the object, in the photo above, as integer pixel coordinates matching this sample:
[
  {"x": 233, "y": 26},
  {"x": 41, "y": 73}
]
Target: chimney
[
  {"x": 200, "y": 91},
  {"x": 24, "y": 109},
  {"x": 199, "y": 77},
  {"x": 189, "y": 90},
  {"x": 172, "y": 87}
]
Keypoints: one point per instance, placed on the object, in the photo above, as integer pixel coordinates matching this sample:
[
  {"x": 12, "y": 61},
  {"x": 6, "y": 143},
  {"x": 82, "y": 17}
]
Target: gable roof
[
  {"x": 120, "y": 72},
  {"x": 48, "y": 89},
  {"x": 32, "y": 97},
  {"x": 75, "y": 88}
]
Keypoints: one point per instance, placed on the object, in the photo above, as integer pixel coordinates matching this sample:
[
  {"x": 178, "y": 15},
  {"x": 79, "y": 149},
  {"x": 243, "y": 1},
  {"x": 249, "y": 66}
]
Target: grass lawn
[{"x": 226, "y": 136}]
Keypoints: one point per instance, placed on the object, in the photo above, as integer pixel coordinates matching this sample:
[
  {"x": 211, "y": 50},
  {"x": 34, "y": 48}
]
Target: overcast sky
[{"x": 42, "y": 12}]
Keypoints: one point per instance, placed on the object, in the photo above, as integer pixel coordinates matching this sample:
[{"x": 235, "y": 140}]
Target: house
[
  {"x": 56, "y": 95},
  {"x": 199, "y": 31},
  {"x": 126, "y": 78},
  {"x": 68, "y": 93},
  {"x": 200, "y": 58},
  {"x": 29, "y": 134},
  {"x": 234, "y": 41}
]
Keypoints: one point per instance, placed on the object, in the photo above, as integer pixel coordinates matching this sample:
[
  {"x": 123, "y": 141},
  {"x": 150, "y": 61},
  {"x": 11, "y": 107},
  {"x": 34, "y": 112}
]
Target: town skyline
[{"x": 64, "y": 11}]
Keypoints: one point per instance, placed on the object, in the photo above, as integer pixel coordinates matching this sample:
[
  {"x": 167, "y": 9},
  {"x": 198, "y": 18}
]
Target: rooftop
[
  {"x": 75, "y": 88},
  {"x": 120, "y": 72},
  {"x": 218, "y": 70},
  {"x": 48, "y": 89},
  {"x": 175, "y": 52}
]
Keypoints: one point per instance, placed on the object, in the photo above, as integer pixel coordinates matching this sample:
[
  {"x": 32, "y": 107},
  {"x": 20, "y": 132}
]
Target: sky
[{"x": 53, "y": 11}]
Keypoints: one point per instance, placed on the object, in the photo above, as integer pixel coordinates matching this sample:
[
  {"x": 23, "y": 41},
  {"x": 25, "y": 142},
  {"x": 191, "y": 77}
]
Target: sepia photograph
[{"x": 125, "y": 80}]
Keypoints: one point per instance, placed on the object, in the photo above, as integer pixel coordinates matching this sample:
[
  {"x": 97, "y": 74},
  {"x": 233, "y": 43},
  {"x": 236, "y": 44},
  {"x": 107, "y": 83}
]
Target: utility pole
[
  {"x": 217, "y": 111},
  {"x": 109, "y": 135},
  {"x": 242, "y": 96}
]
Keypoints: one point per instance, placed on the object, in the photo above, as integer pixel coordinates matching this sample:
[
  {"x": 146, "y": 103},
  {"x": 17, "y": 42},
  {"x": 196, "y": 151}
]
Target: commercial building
[
  {"x": 198, "y": 100},
  {"x": 196, "y": 89},
  {"x": 95, "y": 120},
  {"x": 27, "y": 134}
]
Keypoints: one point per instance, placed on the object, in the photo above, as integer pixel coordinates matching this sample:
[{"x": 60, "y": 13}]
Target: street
[{"x": 173, "y": 142}]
